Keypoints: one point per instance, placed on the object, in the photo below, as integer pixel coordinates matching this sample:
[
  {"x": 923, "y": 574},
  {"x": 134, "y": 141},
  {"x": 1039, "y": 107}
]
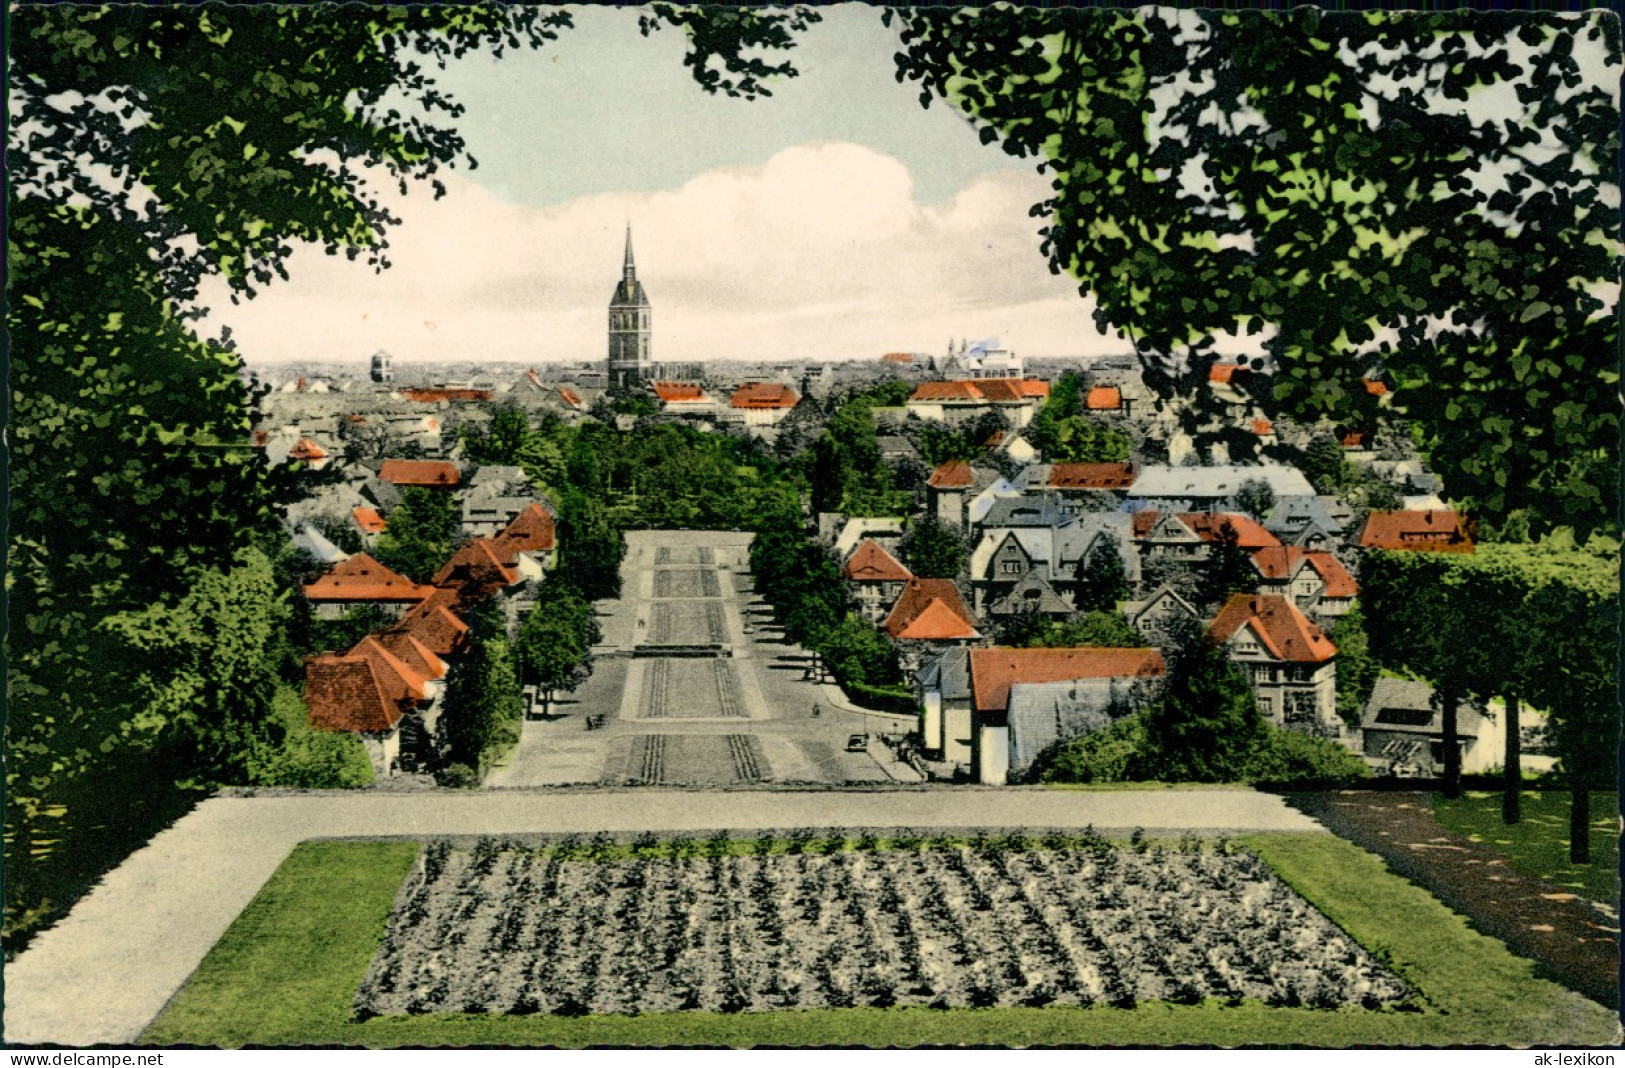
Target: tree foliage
[
  {"x": 483, "y": 710},
  {"x": 1102, "y": 580},
  {"x": 1322, "y": 181},
  {"x": 554, "y": 645},
  {"x": 422, "y": 532},
  {"x": 1064, "y": 434},
  {"x": 932, "y": 549}
]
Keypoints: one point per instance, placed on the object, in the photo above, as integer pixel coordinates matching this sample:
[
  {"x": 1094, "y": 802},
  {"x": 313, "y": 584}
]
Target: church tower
[{"x": 629, "y": 327}]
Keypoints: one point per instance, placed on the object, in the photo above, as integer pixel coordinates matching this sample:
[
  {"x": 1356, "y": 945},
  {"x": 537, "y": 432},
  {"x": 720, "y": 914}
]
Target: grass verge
[
  {"x": 1538, "y": 845},
  {"x": 285, "y": 972}
]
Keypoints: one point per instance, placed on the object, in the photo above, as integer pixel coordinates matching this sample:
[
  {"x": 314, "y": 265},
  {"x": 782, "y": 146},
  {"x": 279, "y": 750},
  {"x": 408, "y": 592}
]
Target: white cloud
[{"x": 823, "y": 252}]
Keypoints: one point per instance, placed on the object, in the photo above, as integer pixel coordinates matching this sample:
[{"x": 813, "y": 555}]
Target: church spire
[{"x": 628, "y": 270}]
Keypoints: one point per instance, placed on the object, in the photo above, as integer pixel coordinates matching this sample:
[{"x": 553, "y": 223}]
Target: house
[
  {"x": 1313, "y": 580},
  {"x": 875, "y": 578},
  {"x": 1081, "y": 487},
  {"x": 684, "y": 398},
  {"x": 1012, "y": 444},
  {"x": 435, "y": 624},
  {"x": 386, "y": 689},
  {"x": 1402, "y": 732},
  {"x": 928, "y": 612},
  {"x": 982, "y": 360},
  {"x": 477, "y": 570},
  {"x": 308, "y": 452},
  {"x": 1023, "y": 536},
  {"x": 946, "y": 490},
  {"x": 1017, "y": 399},
  {"x": 844, "y": 533},
  {"x": 1104, "y": 399},
  {"x": 312, "y": 541},
  {"x": 1290, "y": 663},
  {"x": 1308, "y": 522},
  {"x": 1163, "y": 617},
  {"x": 1192, "y": 536},
  {"x": 762, "y": 403},
  {"x": 360, "y": 581},
  {"x": 529, "y": 543},
  {"x": 1212, "y": 489},
  {"x": 895, "y": 448},
  {"x": 437, "y": 395},
  {"x": 434, "y": 474},
  {"x": 1032, "y": 593},
  {"x": 1018, "y": 711},
  {"x": 369, "y": 522},
  {"x": 1430, "y": 531},
  {"x": 946, "y": 729}
]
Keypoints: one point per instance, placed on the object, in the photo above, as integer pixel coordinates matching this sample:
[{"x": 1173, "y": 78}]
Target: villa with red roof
[
  {"x": 683, "y": 398},
  {"x": 1104, "y": 399},
  {"x": 1193, "y": 535},
  {"x": 1420, "y": 531},
  {"x": 359, "y": 581},
  {"x": 930, "y": 610},
  {"x": 529, "y": 544},
  {"x": 1290, "y": 663},
  {"x": 762, "y": 403},
  {"x": 476, "y": 571},
  {"x": 875, "y": 578},
  {"x": 1314, "y": 580},
  {"x": 1018, "y": 399}
]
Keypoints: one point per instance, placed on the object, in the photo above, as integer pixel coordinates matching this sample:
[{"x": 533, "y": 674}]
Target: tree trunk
[
  {"x": 1452, "y": 744},
  {"x": 1579, "y": 821},
  {"x": 1510, "y": 798}
]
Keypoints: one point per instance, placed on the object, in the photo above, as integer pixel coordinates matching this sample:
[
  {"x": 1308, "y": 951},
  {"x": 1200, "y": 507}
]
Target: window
[{"x": 1010, "y": 567}]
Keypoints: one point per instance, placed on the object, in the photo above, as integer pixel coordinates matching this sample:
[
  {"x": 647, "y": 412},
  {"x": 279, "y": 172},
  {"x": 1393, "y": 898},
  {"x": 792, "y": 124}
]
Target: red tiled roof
[
  {"x": 955, "y": 474},
  {"x": 994, "y": 440},
  {"x": 1092, "y": 476},
  {"x": 412, "y": 652},
  {"x": 535, "y": 378},
  {"x": 870, "y": 562},
  {"x": 434, "y": 623},
  {"x": 1263, "y": 427},
  {"x": 994, "y": 671},
  {"x": 343, "y": 694},
  {"x": 1376, "y": 387},
  {"x": 1103, "y": 399},
  {"x": 930, "y": 610},
  {"x": 369, "y": 520},
  {"x": 981, "y": 390},
  {"x": 399, "y": 680},
  {"x": 1285, "y": 631},
  {"x": 356, "y": 417},
  {"x": 420, "y": 473},
  {"x": 763, "y": 395},
  {"x": 361, "y": 578},
  {"x": 1209, "y": 527},
  {"x": 678, "y": 391},
  {"x": 305, "y": 449},
  {"x": 476, "y": 565},
  {"x": 1354, "y": 439},
  {"x": 261, "y": 437},
  {"x": 531, "y": 531},
  {"x": 432, "y": 396},
  {"x": 898, "y": 357},
  {"x": 1431, "y": 531},
  {"x": 1228, "y": 372},
  {"x": 1280, "y": 562},
  {"x": 571, "y": 397}
]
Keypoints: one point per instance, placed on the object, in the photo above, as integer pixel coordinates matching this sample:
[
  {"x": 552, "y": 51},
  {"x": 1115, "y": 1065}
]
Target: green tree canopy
[
  {"x": 1324, "y": 182},
  {"x": 932, "y": 549},
  {"x": 421, "y": 534}
]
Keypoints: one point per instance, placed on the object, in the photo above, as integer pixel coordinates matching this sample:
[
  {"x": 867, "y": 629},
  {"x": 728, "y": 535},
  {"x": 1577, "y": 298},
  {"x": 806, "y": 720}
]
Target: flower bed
[{"x": 571, "y": 927}]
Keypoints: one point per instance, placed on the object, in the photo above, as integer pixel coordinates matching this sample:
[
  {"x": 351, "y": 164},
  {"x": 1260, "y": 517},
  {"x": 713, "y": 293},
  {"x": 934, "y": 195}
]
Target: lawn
[
  {"x": 287, "y": 970},
  {"x": 1538, "y": 844}
]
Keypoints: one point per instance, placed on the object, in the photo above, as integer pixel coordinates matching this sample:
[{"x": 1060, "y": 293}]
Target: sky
[{"x": 837, "y": 219}]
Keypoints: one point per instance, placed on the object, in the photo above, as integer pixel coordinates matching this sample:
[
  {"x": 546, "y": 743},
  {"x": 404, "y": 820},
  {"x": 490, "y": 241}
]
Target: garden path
[{"x": 104, "y": 972}]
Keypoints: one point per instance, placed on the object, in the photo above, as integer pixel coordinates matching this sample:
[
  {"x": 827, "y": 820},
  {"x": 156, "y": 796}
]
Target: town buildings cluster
[{"x": 1033, "y": 529}]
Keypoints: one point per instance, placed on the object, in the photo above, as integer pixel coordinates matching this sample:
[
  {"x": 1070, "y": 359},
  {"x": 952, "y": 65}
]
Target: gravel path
[
  {"x": 102, "y": 974},
  {"x": 1549, "y": 924}
]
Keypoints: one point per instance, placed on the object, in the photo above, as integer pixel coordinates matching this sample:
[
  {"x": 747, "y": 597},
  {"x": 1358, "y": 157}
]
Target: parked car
[{"x": 858, "y": 743}]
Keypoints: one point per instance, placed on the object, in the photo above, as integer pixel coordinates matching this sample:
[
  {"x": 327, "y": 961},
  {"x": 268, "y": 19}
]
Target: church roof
[{"x": 629, "y": 294}]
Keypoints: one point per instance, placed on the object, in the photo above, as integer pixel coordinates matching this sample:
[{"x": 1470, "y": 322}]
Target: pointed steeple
[{"x": 628, "y": 270}]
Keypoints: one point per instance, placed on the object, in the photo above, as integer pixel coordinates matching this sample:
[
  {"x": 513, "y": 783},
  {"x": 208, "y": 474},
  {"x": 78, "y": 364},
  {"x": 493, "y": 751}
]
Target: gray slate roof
[
  {"x": 949, "y": 674},
  {"x": 1042, "y": 714},
  {"x": 1408, "y": 705},
  {"x": 1161, "y": 482}
]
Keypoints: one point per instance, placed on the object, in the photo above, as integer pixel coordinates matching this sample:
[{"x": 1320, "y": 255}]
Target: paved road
[
  {"x": 107, "y": 970},
  {"x": 743, "y": 717}
]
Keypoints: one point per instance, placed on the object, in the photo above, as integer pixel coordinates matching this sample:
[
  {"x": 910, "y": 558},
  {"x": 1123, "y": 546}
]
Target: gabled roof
[
  {"x": 1209, "y": 526},
  {"x": 369, "y": 520},
  {"x": 995, "y": 671},
  {"x": 411, "y": 651},
  {"x": 434, "y": 623},
  {"x": 1103, "y": 399},
  {"x": 678, "y": 391},
  {"x": 305, "y": 449},
  {"x": 1026, "y": 512},
  {"x": 1284, "y": 631},
  {"x": 531, "y": 531},
  {"x": 1376, "y": 387},
  {"x": 398, "y": 679},
  {"x": 930, "y": 610},
  {"x": 361, "y": 578},
  {"x": 1163, "y": 481},
  {"x": 1281, "y": 562},
  {"x": 870, "y": 562},
  {"x": 1030, "y": 594},
  {"x": 764, "y": 395},
  {"x": 981, "y": 390},
  {"x": 570, "y": 397},
  {"x": 955, "y": 474},
  {"x": 435, "y": 395},
  {"x": 420, "y": 473},
  {"x": 476, "y": 564},
  {"x": 1429, "y": 531},
  {"x": 344, "y": 694},
  {"x": 1263, "y": 427},
  {"x": 1116, "y": 476}
]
